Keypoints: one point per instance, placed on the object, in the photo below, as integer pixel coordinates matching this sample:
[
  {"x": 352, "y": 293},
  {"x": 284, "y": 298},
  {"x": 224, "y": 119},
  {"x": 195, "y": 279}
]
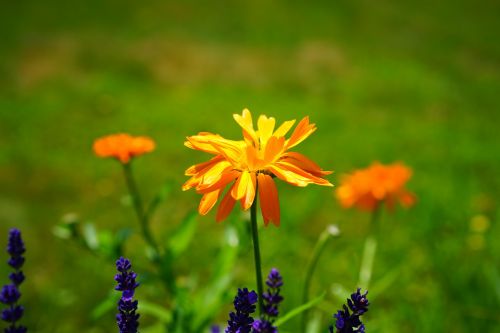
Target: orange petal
[
  {"x": 225, "y": 207},
  {"x": 296, "y": 176},
  {"x": 214, "y": 173},
  {"x": 225, "y": 179},
  {"x": 208, "y": 201},
  {"x": 301, "y": 132},
  {"x": 274, "y": 149},
  {"x": 191, "y": 171},
  {"x": 269, "y": 200},
  {"x": 203, "y": 141},
  {"x": 231, "y": 150},
  {"x": 304, "y": 163}
]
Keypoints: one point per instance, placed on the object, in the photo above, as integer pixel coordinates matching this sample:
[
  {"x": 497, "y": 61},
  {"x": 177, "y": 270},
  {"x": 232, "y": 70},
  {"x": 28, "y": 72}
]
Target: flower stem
[
  {"x": 139, "y": 209},
  {"x": 319, "y": 247},
  {"x": 370, "y": 249},
  {"x": 256, "y": 252}
]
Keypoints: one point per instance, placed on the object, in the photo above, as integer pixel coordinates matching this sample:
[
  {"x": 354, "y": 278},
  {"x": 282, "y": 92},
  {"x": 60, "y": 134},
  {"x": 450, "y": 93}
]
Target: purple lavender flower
[
  {"x": 15, "y": 248},
  {"x": 127, "y": 317},
  {"x": 263, "y": 326},
  {"x": 347, "y": 322},
  {"x": 215, "y": 329},
  {"x": 240, "y": 321},
  {"x": 9, "y": 295},
  {"x": 272, "y": 299}
]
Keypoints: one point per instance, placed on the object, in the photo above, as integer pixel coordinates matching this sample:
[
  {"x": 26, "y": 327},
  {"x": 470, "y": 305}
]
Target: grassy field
[{"x": 407, "y": 81}]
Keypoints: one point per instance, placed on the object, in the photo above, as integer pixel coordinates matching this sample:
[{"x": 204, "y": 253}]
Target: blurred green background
[{"x": 411, "y": 81}]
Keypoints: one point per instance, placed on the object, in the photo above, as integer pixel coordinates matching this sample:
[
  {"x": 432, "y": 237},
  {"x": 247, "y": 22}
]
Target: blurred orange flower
[
  {"x": 366, "y": 188},
  {"x": 123, "y": 146},
  {"x": 250, "y": 165}
]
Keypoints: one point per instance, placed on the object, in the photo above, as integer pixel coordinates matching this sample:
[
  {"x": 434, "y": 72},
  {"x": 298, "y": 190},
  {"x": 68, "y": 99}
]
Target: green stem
[
  {"x": 370, "y": 248},
  {"x": 329, "y": 232},
  {"x": 256, "y": 253},
  {"x": 139, "y": 209}
]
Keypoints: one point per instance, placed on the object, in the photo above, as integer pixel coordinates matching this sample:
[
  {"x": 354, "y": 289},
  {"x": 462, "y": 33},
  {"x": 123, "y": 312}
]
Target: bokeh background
[{"x": 411, "y": 81}]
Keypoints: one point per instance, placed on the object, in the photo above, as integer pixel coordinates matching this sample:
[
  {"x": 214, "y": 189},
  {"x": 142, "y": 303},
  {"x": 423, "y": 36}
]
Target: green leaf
[
  {"x": 209, "y": 301},
  {"x": 365, "y": 272},
  {"x": 157, "y": 311},
  {"x": 298, "y": 310},
  {"x": 182, "y": 236}
]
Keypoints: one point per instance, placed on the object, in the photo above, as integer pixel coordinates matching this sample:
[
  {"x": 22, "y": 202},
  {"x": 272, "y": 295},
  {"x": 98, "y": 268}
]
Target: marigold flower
[
  {"x": 250, "y": 165},
  {"x": 366, "y": 188},
  {"x": 123, "y": 146}
]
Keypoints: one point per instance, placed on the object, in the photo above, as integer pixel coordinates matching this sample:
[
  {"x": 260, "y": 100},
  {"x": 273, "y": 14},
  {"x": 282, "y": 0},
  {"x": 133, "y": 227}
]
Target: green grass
[{"x": 410, "y": 81}]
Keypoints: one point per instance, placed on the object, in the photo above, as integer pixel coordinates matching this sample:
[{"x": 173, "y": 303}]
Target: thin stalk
[
  {"x": 256, "y": 253},
  {"x": 319, "y": 247},
  {"x": 370, "y": 248},
  {"x": 139, "y": 209}
]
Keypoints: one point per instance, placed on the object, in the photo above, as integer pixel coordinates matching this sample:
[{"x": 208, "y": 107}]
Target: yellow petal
[
  {"x": 266, "y": 128},
  {"x": 284, "y": 128},
  {"x": 246, "y": 123},
  {"x": 241, "y": 187}
]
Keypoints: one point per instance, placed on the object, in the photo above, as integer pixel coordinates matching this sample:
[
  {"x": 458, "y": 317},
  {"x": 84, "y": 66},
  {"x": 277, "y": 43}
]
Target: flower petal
[
  {"x": 225, "y": 207},
  {"x": 266, "y": 128},
  {"x": 193, "y": 170},
  {"x": 269, "y": 200},
  {"x": 244, "y": 188},
  {"x": 284, "y": 128},
  {"x": 301, "y": 132},
  {"x": 203, "y": 141},
  {"x": 246, "y": 123},
  {"x": 274, "y": 149},
  {"x": 225, "y": 179},
  {"x": 208, "y": 201},
  {"x": 249, "y": 196},
  {"x": 296, "y": 176},
  {"x": 304, "y": 163}
]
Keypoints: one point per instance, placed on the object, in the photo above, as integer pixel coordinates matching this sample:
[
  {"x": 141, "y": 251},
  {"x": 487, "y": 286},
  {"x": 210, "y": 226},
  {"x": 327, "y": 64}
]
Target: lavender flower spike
[
  {"x": 240, "y": 321},
  {"x": 272, "y": 299},
  {"x": 127, "y": 317},
  {"x": 10, "y": 294},
  {"x": 347, "y": 322}
]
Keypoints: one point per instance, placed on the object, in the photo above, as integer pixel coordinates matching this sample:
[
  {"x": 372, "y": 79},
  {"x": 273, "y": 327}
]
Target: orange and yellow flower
[
  {"x": 250, "y": 165},
  {"x": 123, "y": 146},
  {"x": 366, "y": 188}
]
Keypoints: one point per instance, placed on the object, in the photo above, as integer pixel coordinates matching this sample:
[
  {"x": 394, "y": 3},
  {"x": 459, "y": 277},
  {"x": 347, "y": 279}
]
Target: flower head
[
  {"x": 123, "y": 146},
  {"x": 240, "y": 321},
  {"x": 10, "y": 294},
  {"x": 272, "y": 297},
  {"x": 263, "y": 326},
  {"x": 349, "y": 321},
  {"x": 127, "y": 317},
  {"x": 250, "y": 165},
  {"x": 367, "y": 188}
]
